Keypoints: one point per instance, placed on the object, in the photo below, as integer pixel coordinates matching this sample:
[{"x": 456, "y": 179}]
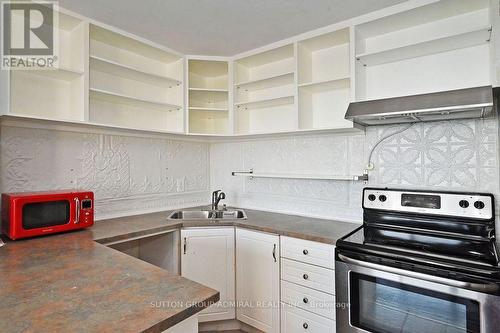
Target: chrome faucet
[{"x": 216, "y": 198}]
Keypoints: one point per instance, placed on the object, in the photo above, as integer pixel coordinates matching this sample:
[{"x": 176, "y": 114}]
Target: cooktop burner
[{"x": 425, "y": 244}]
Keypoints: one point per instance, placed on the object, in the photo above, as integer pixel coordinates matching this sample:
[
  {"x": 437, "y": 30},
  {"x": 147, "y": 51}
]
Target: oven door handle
[{"x": 486, "y": 287}]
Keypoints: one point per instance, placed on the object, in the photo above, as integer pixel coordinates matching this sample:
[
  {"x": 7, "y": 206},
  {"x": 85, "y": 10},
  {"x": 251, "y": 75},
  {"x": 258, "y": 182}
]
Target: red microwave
[{"x": 39, "y": 213}]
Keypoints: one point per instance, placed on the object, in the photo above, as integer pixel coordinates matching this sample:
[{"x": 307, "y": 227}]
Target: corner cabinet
[
  {"x": 258, "y": 280},
  {"x": 207, "y": 257},
  {"x": 208, "y": 97}
]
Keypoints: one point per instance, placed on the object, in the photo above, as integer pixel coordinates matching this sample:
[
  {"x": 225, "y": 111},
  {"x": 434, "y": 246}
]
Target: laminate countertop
[
  {"x": 318, "y": 230},
  {"x": 72, "y": 283}
]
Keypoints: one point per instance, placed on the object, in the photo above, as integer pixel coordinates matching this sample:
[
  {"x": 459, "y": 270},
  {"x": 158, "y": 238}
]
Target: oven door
[{"x": 381, "y": 299}]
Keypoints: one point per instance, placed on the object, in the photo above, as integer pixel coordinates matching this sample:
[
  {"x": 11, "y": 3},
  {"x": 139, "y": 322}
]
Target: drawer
[
  {"x": 310, "y": 276},
  {"x": 313, "y": 253},
  {"x": 295, "y": 320},
  {"x": 322, "y": 304}
]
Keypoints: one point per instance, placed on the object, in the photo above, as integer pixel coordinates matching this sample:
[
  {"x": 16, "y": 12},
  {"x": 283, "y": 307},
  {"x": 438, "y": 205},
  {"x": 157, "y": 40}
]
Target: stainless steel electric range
[{"x": 423, "y": 262}]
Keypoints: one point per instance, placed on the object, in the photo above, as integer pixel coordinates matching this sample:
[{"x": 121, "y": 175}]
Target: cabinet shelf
[
  {"x": 194, "y": 108},
  {"x": 268, "y": 102},
  {"x": 333, "y": 80},
  {"x": 209, "y": 90},
  {"x": 122, "y": 70},
  {"x": 434, "y": 46},
  {"x": 129, "y": 100},
  {"x": 60, "y": 73},
  {"x": 267, "y": 82}
]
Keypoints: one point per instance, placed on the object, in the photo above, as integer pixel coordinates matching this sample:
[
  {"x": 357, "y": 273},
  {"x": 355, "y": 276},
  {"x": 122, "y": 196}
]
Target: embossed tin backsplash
[
  {"x": 450, "y": 155},
  {"x": 127, "y": 174},
  {"x": 132, "y": 175}
]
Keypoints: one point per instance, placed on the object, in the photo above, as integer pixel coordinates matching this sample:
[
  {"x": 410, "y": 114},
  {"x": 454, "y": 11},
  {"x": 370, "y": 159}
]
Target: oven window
[
  {"x": 382, "y": 306},
  {"x": 45, "y": 214}
]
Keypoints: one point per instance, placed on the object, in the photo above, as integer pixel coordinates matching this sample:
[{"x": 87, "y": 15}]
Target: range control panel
[{"x": 458, "y": 204}]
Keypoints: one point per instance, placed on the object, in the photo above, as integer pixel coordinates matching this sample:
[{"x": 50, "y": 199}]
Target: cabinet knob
[
  {"x": 305, "y": 325},
  {"x": 305, "y": 252},
  {"x": 305, "y": 300},
  {"x": 305, "y": 276}
]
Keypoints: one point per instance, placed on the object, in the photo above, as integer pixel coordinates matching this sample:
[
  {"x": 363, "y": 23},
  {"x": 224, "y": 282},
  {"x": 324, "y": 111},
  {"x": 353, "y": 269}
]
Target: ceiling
[{"x": 221, "y": 27}]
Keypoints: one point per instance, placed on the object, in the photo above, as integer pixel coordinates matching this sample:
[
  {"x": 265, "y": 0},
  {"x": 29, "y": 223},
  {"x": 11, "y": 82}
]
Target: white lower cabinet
[
  {"x": 258, "y": 280},
  {"x": 307, "y": 286},
  {"x": 295, "y": 320},
  {"x": 310, "y": 276},
  {"x": 314, "y": 301},
  {"x": 208, "y": 258},
  {"x": 244, "y": 266}
]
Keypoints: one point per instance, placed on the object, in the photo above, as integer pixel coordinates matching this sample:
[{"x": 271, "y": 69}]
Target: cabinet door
[
  {"x": 258, "y": 279},
  {"x": 208, "y": 258}
]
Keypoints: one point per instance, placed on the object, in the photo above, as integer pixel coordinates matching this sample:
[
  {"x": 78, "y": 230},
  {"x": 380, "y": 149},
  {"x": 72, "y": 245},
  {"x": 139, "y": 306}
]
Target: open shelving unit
[
  {"x": 440, "y": 46},
  {"x": 57, "y": 93},
  {"x": 208, "y": 96},
  {"x": 265, "y": 91},
  {"x": 133, "y": 83},
  {"x": 324, "y": 80},
  {"x": 304, "y": 84}
]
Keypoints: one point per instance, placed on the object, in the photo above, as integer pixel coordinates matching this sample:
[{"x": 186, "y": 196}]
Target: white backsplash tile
[{"x": 127, "y": 174}]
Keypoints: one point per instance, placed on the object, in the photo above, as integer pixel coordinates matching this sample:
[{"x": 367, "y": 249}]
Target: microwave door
[
  {"x": 378, "y": 301},
  {"x": 46, "y": 214}
]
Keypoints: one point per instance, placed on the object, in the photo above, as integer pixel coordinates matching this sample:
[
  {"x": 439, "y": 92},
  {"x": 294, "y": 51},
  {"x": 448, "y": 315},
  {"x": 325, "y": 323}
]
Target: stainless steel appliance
[
  {"x": 446, "y": 105},
  {"x": 423, "y": 262}
]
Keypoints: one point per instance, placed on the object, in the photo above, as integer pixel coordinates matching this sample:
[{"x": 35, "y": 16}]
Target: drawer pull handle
[
  {"x": 305, "y": 252},
  {"x": 305, "y": 276},
  {"x": 305, "y": 325},
  {"x": 305, "y": 300}
]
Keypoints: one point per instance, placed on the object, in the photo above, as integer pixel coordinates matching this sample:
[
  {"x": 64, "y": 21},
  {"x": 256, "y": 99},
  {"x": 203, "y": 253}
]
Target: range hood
[{"x": 454, "y": 104}]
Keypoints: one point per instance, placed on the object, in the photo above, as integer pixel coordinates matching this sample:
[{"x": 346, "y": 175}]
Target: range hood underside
[
  {"x": 447, "y": 105},
  {"x": 411, "y": 117}
]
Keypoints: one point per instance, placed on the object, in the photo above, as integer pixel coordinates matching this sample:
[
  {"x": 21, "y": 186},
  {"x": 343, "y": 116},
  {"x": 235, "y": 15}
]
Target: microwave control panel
[{"x": 86, "y": 210}]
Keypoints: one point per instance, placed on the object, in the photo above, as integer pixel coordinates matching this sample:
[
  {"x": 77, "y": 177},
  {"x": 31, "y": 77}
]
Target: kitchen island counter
[{"x": 70, "y": 283}]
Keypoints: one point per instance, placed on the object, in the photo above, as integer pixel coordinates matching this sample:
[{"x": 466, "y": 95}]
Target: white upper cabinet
[
  {"x": 264, "y": 97},
  {"x": 441, "y": 46},
  {"x": 304, "y": 83},
  {"x": 208, "y": 96},
  {"x": 258, "y": 279},
  {"x": 55, "y": 93},
  {"x": 324, "y": 80},
  {"x": 133, "y": 84},
  {"x": 208, "y": 258}
]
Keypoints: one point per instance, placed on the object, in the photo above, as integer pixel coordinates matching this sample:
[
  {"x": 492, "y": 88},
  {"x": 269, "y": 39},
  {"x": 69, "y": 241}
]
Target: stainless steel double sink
[{"x": 235, "y": 214}]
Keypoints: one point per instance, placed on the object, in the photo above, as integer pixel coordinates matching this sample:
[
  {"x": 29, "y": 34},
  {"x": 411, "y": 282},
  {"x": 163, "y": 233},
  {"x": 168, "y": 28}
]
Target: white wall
[
  {"x": 452, "y": 155},
  {"x": 129, "y": 175}
]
